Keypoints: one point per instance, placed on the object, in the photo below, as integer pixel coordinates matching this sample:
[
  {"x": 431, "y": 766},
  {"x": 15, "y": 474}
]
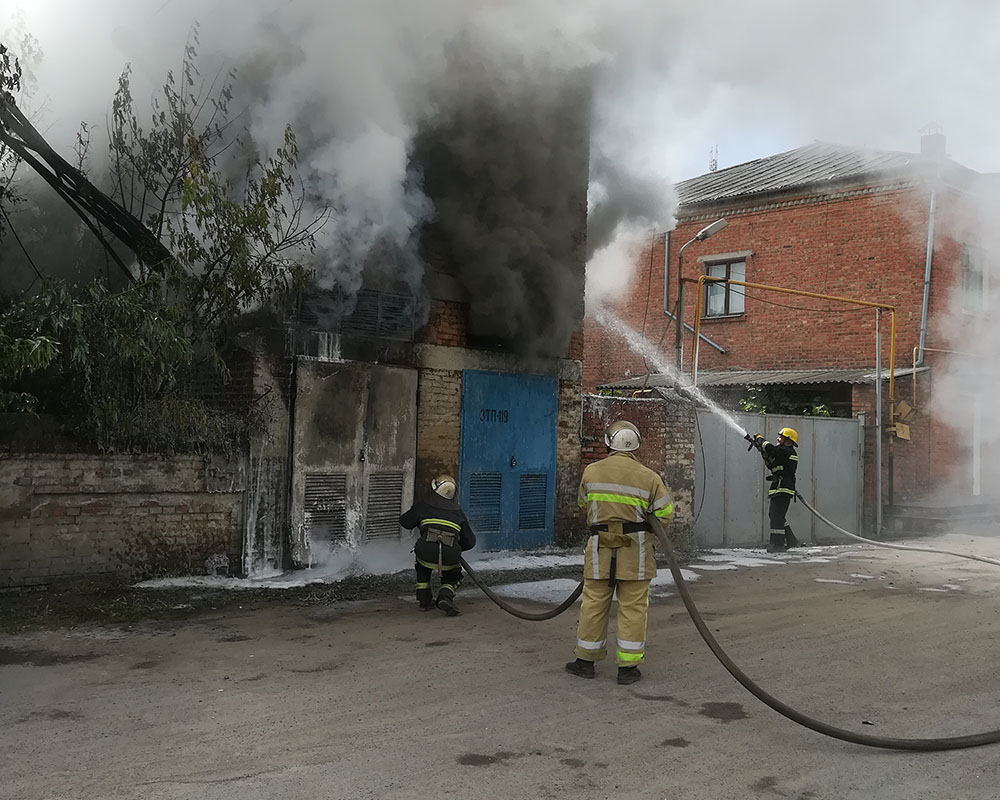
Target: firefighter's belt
[
  {"x": 447, "y": 538},
  {"x": 612, "y": 534}
]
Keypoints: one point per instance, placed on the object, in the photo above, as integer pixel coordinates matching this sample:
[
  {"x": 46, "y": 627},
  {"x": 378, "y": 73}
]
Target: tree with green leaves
[{"x": 237, "y": 233}]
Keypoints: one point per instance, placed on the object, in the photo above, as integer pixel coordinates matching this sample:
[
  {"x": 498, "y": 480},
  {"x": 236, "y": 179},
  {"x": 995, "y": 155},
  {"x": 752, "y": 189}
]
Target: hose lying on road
[
  {"x": 892, "y": 546},
  {"x": 887, "y": 742},
  {"x": 526, "y": 615}
]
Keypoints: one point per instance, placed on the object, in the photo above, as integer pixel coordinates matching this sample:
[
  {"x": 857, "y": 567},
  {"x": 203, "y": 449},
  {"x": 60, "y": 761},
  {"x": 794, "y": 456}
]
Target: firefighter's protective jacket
[
  {"x": 445, "y": 532},
  {"x": 617, "y": 493},
  {"x": 782, "y": 461}
]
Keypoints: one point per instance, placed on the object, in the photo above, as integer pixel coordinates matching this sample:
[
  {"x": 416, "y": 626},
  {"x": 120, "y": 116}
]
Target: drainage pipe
[{"x": 928, "y": 261}]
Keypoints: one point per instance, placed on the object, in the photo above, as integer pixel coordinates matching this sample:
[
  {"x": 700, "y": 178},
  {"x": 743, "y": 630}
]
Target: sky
[{"x": 749, "y": 78}]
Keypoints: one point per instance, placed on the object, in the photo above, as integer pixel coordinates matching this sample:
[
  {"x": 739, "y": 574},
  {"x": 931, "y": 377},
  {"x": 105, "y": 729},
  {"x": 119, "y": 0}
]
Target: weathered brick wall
[
  {"x": 447, "y": 324},
  {"x": 667, "y": 429},
  {"x": 439, "y": 425},
  {"x": 568, "y": 467},
  {"x": 64, "y": 516}
]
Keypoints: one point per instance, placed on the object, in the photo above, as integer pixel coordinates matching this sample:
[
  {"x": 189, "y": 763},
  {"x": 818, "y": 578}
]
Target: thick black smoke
[{"x": 506, "y": 169}]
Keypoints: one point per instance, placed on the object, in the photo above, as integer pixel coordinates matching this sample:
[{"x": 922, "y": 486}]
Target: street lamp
[{"x": 700, "y": 236}]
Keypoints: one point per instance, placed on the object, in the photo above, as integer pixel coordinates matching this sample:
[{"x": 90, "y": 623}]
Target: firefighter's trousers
[
  {"x": 777, "y": 511},
  {"x": 450, "y": 578},
  {"x": 592, "y": 632}
]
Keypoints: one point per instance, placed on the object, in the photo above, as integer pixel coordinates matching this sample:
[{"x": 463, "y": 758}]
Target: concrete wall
[{"x": 67, "y": 516}]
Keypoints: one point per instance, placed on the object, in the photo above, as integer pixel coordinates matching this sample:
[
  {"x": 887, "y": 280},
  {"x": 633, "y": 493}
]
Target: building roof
[
  {"x": 816, "y": 163},
  {"x": 763, "y": 377}
]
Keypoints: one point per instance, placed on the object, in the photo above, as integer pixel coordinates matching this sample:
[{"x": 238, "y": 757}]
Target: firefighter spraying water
[{"x": 782, "y": 461}]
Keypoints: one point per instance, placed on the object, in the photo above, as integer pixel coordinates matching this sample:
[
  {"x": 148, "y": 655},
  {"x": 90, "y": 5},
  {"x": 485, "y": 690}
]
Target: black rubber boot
[
  {"x": 426, "y": 605},
  {"x": 627, "y": 675},
  {"x": 581, "y": 668},
  {"x": 790, "y": 540},
  {"x": 447, "y": 605},
  {"x": 777, "y": 544}
]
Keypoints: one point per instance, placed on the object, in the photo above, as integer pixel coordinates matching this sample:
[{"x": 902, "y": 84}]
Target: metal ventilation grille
[
  {"x": 531, "y": 502},
  {"x": 390, "y": 316},
  {"x": 325, "y": 507},
  {"x": 385, "y": 504},
  {"x": 484, "y": 501}
]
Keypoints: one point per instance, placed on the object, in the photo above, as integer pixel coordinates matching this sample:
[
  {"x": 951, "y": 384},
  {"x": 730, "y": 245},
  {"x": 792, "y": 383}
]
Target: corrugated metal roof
[
  {"x": 817, "y": 163},
  {"x": 764, "y": 377}
]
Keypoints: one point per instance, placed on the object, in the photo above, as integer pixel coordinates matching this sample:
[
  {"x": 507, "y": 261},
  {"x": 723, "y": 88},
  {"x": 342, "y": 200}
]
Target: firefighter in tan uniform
[{"x": 617, "y": 493}]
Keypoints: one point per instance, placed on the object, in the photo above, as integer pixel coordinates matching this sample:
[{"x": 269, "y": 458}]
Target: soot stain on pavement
[
  {"x": 678, "y": 742},
  {"x": 484, "y": 760},
  {"x": 724, "y": 712},
  {"x": 10, "y": 656},
  {"x": 55, "y": 713},
  {"x": 660, "y": 698},
  {"x": 438, "y": 644}
]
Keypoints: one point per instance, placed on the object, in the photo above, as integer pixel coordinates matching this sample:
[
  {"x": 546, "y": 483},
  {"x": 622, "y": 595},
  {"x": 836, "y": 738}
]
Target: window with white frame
[
  {"x": 974, "y": 283},
  {"x": 722, "y": 299}
]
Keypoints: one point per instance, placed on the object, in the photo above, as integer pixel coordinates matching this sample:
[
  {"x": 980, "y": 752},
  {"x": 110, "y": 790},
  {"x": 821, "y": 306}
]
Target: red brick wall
[
  {"x": 446, "y": 325},
  {"x": 867, "y": 244}
]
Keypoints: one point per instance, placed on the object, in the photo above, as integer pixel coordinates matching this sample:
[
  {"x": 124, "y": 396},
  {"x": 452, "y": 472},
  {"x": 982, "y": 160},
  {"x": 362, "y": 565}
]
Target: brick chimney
[{"x": 932, "y": 142}]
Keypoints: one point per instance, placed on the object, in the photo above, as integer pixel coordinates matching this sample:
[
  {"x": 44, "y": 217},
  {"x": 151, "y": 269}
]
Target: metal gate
[
  {"x": 507, "y": 459},
  {"x": 730, "y": 501},
  {"x": 353, "y": 454}
]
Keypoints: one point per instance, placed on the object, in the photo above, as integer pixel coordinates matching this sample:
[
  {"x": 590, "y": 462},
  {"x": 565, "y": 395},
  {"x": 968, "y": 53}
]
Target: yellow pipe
[
  {"x": 801, "y": 293},
  {"x": 913, "y": 381}
]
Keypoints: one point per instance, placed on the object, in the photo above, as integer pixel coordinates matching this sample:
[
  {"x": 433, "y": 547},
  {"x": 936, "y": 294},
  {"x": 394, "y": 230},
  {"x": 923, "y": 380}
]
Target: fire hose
[
  {"x": 513, "y": 610},
  {"x": 933, "y": 744}
]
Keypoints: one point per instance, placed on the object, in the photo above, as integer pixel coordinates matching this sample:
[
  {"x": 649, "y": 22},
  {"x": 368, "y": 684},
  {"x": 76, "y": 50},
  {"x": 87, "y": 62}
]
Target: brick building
[
  {"x": 909, "y": 230},
  {"x": 370, "y": 398}
]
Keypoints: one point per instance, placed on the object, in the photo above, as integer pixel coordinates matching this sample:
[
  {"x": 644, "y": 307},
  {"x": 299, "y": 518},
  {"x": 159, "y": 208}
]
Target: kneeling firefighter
[
  {"x": 617, "y": 493},
  {"x": 781, "y": 460},
  {"x": 445, "y": 534}
]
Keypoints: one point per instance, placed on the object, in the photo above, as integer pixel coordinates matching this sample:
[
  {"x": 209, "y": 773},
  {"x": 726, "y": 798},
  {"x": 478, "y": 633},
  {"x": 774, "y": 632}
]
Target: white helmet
[
  {"x": 445, "y": 486},
  {"x": 622, "y": 436}
]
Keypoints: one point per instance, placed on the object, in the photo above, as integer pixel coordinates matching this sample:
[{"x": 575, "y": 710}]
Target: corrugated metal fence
[{"x": 730, "y": 499}]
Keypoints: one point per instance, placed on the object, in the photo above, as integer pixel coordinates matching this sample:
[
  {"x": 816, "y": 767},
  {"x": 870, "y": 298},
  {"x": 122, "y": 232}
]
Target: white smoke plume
[{"x": 492, "y": 88}]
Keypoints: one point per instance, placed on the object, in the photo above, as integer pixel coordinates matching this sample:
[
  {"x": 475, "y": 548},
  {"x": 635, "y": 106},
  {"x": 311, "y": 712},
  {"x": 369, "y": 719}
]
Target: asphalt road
[{"x": 375, "y": 700}]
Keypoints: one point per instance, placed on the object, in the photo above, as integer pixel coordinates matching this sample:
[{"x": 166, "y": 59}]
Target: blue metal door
[{"x": 508, "y": 456}]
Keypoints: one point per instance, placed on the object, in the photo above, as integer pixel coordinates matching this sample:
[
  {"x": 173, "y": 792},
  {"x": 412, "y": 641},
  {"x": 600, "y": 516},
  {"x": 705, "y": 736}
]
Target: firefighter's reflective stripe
[
  {"x": 617, "y": 488},
  {"x": 625, "y": 499},
  {"x": 444, "y": 523},
  {"x": 434, "y": 565},
  {"x": 628, "y": 657},
  {"x": 591, "y": 645},
  {"x": 780, "y": 491},
  {"x": 663, "y": 508},
  {"x": 641, "y": 536},
  {"x": 596, "y": 570},
  {"x": 793, "y": 458},
  {"x": 423, "y": 585}
]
